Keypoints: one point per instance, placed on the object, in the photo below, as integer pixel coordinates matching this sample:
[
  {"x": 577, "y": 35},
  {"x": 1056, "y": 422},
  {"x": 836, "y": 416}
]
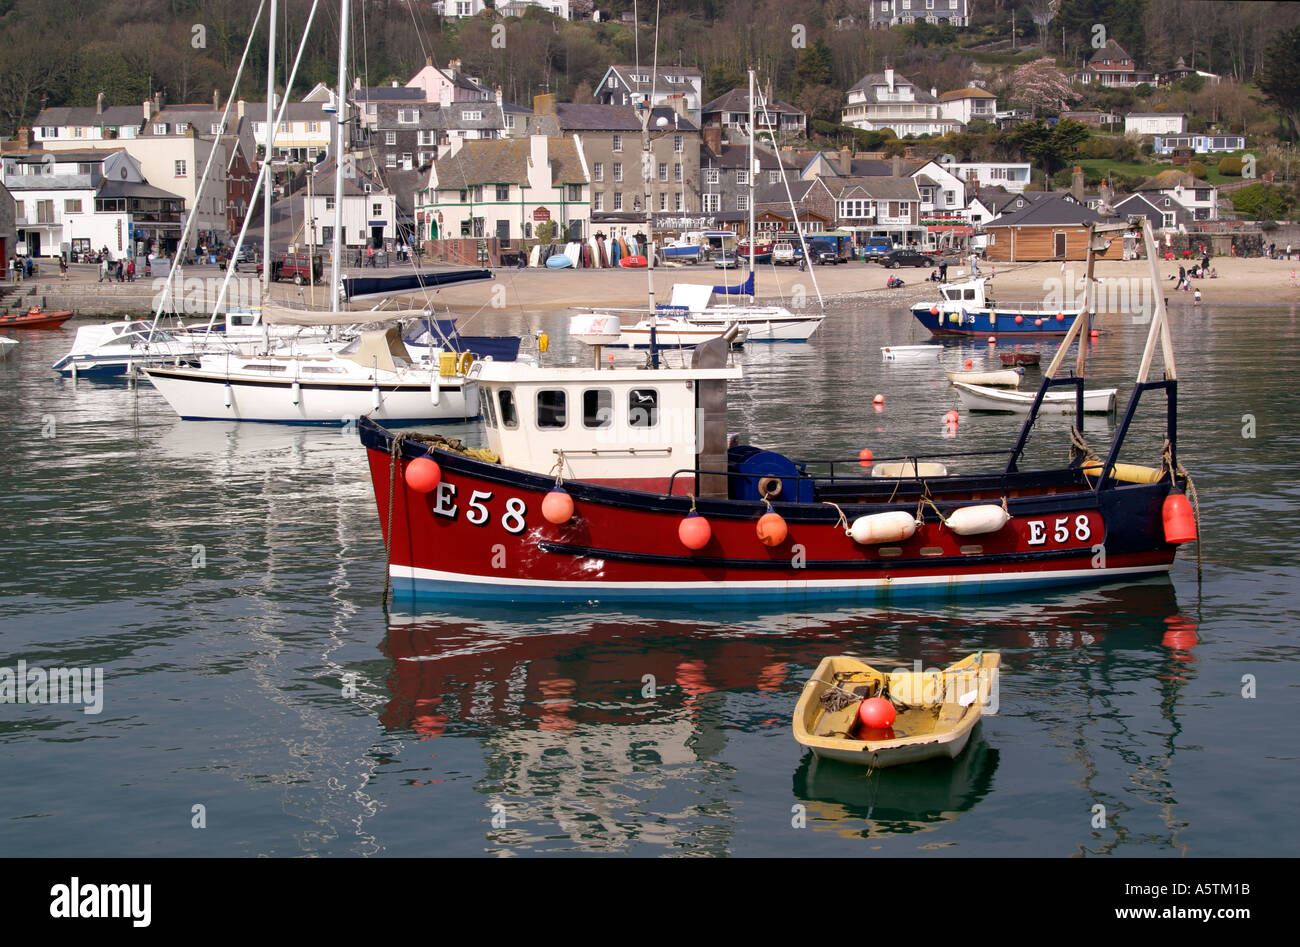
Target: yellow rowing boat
[{"x": 936, "y": 709}]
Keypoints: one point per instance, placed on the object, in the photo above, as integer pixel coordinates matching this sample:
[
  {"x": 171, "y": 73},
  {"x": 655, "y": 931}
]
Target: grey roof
[
  {"x": 868, "y": 83},
  {"x": 135, "y": 189},
  {"x": 874, "y": 188},
  {"x": 994, "y": 198},
  {"x": 505, "y": 161},
  {"x": 737, "y": 100},
  {"x": 387, "y": 93},
  {"x": 1112, "y": 50},
  {"x": 113, "y": 116},
  {"x": 1051, "y": 210},
  {"x": 572, "y": 117},
  {"x": 403, "y": 185},
  {"x": 659, "y": 83},
  {"x": 775, "y": 193},
  {"x": 737, "y": 156}
]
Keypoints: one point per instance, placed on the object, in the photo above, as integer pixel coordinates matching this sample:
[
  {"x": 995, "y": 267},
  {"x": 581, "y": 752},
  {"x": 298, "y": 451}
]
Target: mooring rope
[
  {"x": 394, "y": 448},
  {"x": 844, "y": 522},
  {"x": 1180, "y": 470}
]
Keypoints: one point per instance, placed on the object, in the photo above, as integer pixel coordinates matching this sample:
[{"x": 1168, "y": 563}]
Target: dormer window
[{"x": 160, "y": 128}]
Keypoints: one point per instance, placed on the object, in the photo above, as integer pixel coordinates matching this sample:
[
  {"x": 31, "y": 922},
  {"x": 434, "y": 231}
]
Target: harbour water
[{"x": 227, "y": 580}]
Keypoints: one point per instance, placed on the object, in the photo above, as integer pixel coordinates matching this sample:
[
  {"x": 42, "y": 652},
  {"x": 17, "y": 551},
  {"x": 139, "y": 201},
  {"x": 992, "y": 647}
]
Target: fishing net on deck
[{"x": 455, "y": 446}]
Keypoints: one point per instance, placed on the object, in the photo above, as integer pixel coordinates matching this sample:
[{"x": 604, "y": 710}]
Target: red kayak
[
  {"x": 34, "y": 318},
  {"x": 633, "y": 262}
]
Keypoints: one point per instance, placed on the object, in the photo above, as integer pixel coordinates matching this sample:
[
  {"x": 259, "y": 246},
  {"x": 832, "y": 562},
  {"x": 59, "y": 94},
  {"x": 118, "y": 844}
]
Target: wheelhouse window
[
  {"x": 509, "y": 417},
  {"x": 486, "y": 406},
  {"x": 643, "y": 407},
  {"x": 551, "y": 408},
  {"x": 597, "y": 407}
]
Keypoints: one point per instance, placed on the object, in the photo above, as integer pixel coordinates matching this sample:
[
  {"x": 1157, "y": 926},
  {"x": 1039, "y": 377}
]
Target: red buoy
[
  {"x": 1094, "y": 334},
  {"x": 878, "y": 399},
  {"x": 694, "y": 531},
  {"x": 1038, "y": 322},
  {"x": 934, "y": 310},
  {"x": 1020, "y": 319},
  {"x": 557, "y": 506},
  {"x": 952, "y": 417},
  {"x": 993, "y": 340},
  {"x": 1180, "y": 524},
  {"x": 423, "y": 475},
  {"x": 969, "y": 363},
  {"x": 1060, "y": 317},
  {"x": 864, "y": 457},
  {"x": 877, "y": 713},
  {"x": 771, "y": 529},
  {"x": 876, "y": 734}
]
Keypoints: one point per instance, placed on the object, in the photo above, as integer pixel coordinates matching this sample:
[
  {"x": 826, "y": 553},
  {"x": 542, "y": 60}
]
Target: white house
[
  {"x": 369, "y": 211},
  {"x": 969, "y": 105},
  {"x": 505, "y": 188},
  {"x": 628, "y": 85},
  {"x": 1155, "y": 123},
  {"x": 881, "y": 101},
  {"x": 88, "y": 199},
  {"x": 1200, "y": 198},
  {"x": 455, "y": 9},
  {"x": 1200, "y": 144},
  {"x": 1012, "y": 175},
  {"x": 887, "y": 13},
  {"x": 519, "y": 7}
]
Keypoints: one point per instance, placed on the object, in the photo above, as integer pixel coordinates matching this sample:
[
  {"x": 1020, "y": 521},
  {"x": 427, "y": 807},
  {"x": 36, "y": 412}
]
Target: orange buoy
[
  {"x": 1180, "y": 524},
  {"x": 878, "y": 399},
  {"x": 694, "y": 531},
  {"x": 1094, "y": 334},
  {"x": 557, "y": 506},
  {"x": 423, "y": 475},
  {"x": 934, "y": 310},
  {"x": 952, "y": 417},
  {"x": 1060, "y": 317},
  {"x": 864, "y": 457},
  {"x": 1038, "y": 322},
  {"x": 876, "y": 713},
  {"x": 969, "y": 363},
  {"x": 1020, "y": 319},
  {"x": 993, "y": 340},
  {"x": 771, "y": 529}
]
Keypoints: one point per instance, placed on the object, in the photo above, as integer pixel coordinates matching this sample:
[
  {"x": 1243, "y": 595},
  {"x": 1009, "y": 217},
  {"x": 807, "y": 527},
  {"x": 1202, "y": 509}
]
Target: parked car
[
  {"x": 906, "y": 258},
  {"x": 295, "y": 266},
  {"x": 724, "y": 259},
  {"x": 824, "y": 254},
  {"x": 876, "y": 247},
  {"x": 785, "y": 251}
]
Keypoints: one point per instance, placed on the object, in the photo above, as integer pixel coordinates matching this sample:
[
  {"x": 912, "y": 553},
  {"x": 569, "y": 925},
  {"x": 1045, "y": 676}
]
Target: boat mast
[
  {"x": 336, "y": 283},
  {"x": 266, "y": 156},
  {"x": 753, "y": 133}
]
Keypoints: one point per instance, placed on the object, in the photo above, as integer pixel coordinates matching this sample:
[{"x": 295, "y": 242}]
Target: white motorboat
[
  {"x": 372, "y": 376},
  {"x": 909, "y": 353},
  {"x": 5, "y": 342},
  {"x": 984, "y": 398},
  {"x": 699, "y": 303},
  {"x": 670, "y": 332},
  {"x": 116, "y": 348}
]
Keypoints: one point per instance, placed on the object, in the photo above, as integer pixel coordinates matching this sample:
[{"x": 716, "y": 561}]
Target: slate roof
[
  {"x": 737, "y": 156},
  {"x": 967, "y": 93},
  {"x": 1050, "y": 210},
  {"x": 1112, "y": 51},
  {"x": 135, "y": 189},
  {"x": 1168, "y": 180},
  {"x": 737, "y": 100},
  {"x": 574, "y": 117},
  {"x": 113, "y": 116},
  {"x": 867, "y": 84},
  {"x": 505, "y": 161}
]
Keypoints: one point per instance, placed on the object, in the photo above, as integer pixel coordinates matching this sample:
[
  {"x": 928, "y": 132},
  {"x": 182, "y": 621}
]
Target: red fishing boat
[
  {"x": 34, "y": 318},
  {"x": 622, "y": 484}
]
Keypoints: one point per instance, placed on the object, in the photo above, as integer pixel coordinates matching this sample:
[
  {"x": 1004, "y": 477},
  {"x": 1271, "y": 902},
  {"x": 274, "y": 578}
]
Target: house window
[
  {"x": 474, "y": 116},
  {"x": 390, "y": 138},
  {"x": 742, "y": 202},
  {"x": 949, "y": 198},
  {"x": 663, "y": 170},
  {"x": 1202, "y": 194},
  {"x": 575, "y": 192},
  {"x": 180, "y": 169},
  {"x": 160, "y": 128},
  {"x": 618, "y": 200},
  {"x": 679, "y": 144},
  {"x": 710, "y": 175},
  {"x": 424, "y": 138},
  {"x": 45, "y": 212},
  {"x": 503, "y": 192},
  {"x": 712, "y": 203},
  {"x": 677, "y": 171},
  {"x": 406, "y": 160},
  {"x": 742, "y": 177},
  {"x": 774, "y": 177},
  {"x": 72, "y": 207},
  {"x": 376, "y": 210},
  {"x": 510, "y": 121},
  {"x": 598, "y": 171},
  {"x": 313, "y": 127},
  {"x": 663, "y": 200},
  {"x": 598, "y": 201},
  {"x": 390, "y": 160},
  {"x": 618, "y": 145},
  {"x": 1168, "y": 220},
  {"x": 618, "y": 171},
  {"x": 327, "y": 234},
  {"x": 677, "y": 201},
  {"x": 329, "y": 203}
]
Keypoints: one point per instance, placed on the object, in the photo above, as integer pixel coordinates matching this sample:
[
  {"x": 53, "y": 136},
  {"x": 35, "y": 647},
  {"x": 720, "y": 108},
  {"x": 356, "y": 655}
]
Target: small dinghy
[
  {"x": 633, "y": 262},
  {"x": 984, "y": 398},
  {"x": 1007, "y": 378},
  {"x": 903, "y": 353},
  {"x": 1019, "y": 358},
  {"x": 934, "y": 711},
  {"x": 35, "y": 318},
  {"x": 558, "y": 261}
]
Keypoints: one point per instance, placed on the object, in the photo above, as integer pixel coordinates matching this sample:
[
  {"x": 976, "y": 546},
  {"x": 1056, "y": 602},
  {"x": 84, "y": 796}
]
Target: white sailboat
[{"x": 374, "y": 375}]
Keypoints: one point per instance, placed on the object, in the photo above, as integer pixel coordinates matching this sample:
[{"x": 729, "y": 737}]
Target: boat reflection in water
[{"x": 636, "y": 731}]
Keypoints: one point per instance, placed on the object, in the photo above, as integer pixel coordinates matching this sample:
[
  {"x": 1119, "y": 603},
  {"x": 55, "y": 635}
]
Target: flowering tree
[{"x": 1039, "y": 84}]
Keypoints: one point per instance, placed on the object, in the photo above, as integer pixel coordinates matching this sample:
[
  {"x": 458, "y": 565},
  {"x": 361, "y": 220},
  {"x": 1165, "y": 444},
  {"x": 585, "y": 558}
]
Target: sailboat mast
[
  {"x": 753, "y": 133},
  {"x": 336, "y": 260},
  {"x": 266, "y": 155}
]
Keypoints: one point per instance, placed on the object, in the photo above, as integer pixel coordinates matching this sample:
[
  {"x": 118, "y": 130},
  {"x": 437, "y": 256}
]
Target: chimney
[
  {"x": 216, "y": 100},
  {"x": 934, "y": 92},
  {"x": 444, "y": 96},
  {"x": 394, "y": 83},
  {"x": 239, "y": 108},
  {"x": 1076, "y": 184},
  {"x": 713, "y": 139},
  {"x": 158, "y": 101},
  {"x": 544, "y": 104},
  {"x": 896, "y": 167},
  {"x": 24, "y": 139},
  {"x": 99, "y": 104},
  {"x": 846, "y": 161},
  {"x": 500, "y": 98},
  {"x": 148, "y": 109},
  {"x": 889, "y": 77}
]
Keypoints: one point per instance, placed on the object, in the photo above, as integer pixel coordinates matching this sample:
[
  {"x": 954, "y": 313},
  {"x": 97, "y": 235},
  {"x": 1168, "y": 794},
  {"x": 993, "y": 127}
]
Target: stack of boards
[{"x": 596, "y": 252}]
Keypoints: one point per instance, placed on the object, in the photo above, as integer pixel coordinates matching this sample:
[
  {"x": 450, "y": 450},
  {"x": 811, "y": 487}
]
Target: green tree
[
  {"x": 1264, "y": 201},
  {"x": 1280, "y": 78},
  {"x": 815, "y": 66},
  {"x": 1230, "y": 166},
  {"x": 1051, "y": 146}
]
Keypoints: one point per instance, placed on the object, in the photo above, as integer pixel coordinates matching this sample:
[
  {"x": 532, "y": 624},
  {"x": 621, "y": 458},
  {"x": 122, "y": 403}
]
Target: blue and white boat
[
  {"x": 117, "y": 348},
  {"x": 682, "y": 250},
  {"x": 964, "y": 309}
]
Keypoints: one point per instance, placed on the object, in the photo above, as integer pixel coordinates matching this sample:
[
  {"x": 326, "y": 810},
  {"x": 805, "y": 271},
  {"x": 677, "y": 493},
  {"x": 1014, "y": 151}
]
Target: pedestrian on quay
[
  {"x": 130, "y": 269},
  {"x": 1182, "y": 277},
  {"x": 63, "y": 267}
]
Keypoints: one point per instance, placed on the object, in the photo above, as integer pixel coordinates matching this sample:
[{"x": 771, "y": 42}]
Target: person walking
[
  {"x": 130, "y": 270},
  {"x": 63, "y": 267},
  {"x": 370, "y": 256},
  {"x": 1182, "y": 277},
  {"x": 943, "y": 272}
]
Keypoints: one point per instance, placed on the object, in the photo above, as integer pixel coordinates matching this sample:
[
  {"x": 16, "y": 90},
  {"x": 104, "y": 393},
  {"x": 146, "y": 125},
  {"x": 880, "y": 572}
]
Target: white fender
[
  {"x": 974, "y": 520},
  {"x": 883, "y": 528}
]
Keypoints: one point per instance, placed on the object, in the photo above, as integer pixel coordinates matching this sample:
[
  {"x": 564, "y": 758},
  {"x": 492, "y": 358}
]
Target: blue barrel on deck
[{"x": 756, "y": 464}]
